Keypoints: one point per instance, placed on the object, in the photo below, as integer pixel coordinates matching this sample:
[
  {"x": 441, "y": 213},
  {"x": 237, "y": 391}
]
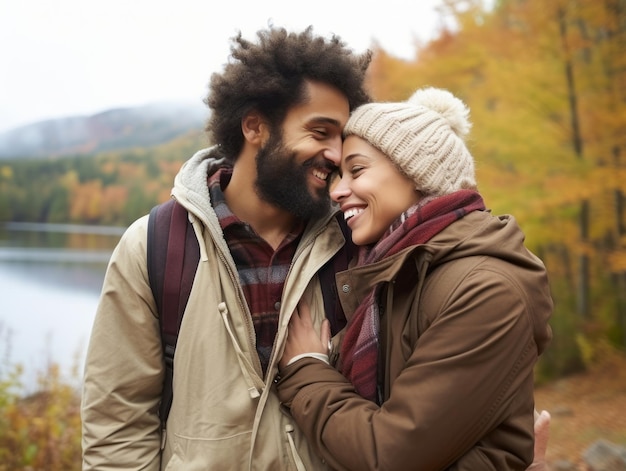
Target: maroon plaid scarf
[{"x": 359, "y": 348}]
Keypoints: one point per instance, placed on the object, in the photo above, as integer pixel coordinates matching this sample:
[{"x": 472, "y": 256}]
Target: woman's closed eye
[{"x": 355, "y": 170}]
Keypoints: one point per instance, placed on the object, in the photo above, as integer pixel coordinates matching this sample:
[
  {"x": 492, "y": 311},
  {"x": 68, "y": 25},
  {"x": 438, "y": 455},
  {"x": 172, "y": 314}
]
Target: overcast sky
[{"x": 78, "y": 57}]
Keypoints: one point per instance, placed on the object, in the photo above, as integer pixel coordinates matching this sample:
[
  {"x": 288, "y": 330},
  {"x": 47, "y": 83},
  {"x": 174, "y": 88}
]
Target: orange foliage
[
  {"x": 86, "y": 202},
  {"x": 546, "y": 86},
  {"x": 114, "y": 199},
  {"x": 40, "y": 431},
  {"x": 508, "y": 66},
  {"x": 131, "y": 171}
]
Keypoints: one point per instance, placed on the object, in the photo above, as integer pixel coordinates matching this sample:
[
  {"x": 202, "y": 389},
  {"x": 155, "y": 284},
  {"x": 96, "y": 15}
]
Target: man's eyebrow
[{"x": 324, "y": 120}]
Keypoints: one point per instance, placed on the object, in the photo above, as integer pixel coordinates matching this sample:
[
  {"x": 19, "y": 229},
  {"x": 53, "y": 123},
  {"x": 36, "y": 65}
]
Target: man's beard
[{"x": 282, "y": 182}]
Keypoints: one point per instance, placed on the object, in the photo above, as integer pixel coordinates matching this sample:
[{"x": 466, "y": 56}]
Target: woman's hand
[
  {"x": 302, "y": 337},
  {"x": 542, "y": 434}
]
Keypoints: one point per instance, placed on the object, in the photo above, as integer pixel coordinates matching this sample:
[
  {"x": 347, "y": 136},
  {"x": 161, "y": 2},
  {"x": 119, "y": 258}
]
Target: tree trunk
[{"x": 583, "y": 220}]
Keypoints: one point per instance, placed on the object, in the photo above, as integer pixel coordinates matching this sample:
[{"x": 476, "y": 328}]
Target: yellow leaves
[
  {"x": 546, "y": 86},
  {"x": 617, "y": 260},
  {"x": 565, "y": 191},
  {"x": 543, "y": 140},
  {"x": 70, "y": 180},
  {"x": 86, "y": 202},
  {"x": 42, "y": 430},
  {"x": 390, "y": 78},
  {"x": 6, "y": 172},
  {"x": 94, "y": 203},
  {"x": 131, "y": 171}
]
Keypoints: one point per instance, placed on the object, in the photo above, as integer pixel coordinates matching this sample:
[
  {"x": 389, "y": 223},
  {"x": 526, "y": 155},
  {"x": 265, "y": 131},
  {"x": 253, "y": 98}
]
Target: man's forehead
[{"x": 324, "y": 104}]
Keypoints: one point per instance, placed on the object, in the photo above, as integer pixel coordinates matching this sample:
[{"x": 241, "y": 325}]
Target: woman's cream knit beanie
[{"x": 423, "y": 136}]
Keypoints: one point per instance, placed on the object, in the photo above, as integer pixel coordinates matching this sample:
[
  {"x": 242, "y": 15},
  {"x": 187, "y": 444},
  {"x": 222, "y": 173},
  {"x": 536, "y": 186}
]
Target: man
[{"x": 260, "y": 208}]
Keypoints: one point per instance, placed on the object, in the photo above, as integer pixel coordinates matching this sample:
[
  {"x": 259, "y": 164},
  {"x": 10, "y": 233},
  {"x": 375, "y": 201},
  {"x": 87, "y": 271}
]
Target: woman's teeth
[{"x": 352, "y": 212}]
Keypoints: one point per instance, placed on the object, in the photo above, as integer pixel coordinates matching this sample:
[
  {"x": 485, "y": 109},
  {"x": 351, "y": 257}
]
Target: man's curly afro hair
[{"x": 269, "y": 76}]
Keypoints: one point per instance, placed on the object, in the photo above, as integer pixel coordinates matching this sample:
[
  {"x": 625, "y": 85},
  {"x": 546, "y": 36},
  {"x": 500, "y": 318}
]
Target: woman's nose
[{"x": 339, "y": 190}]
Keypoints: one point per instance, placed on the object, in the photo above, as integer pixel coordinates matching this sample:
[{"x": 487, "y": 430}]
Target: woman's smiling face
[{"x": 372, "y": 192}]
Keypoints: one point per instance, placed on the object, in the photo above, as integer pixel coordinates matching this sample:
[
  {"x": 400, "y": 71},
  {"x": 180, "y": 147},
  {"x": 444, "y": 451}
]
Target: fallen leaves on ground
[{"x": 585, "y": 407}]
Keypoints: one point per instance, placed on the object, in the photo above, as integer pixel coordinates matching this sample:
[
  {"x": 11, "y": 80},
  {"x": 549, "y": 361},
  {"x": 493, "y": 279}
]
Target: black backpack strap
[
  {"x": 340, "y": 262},
  {"x": 173, "y": 254}
]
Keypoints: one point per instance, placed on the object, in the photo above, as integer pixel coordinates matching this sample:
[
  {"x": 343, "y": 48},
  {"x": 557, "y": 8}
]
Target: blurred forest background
[{"x": 546, "y": 85}]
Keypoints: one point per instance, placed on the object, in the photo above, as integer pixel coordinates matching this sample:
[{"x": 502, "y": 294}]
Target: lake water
[{"x": 50, "y": 281}]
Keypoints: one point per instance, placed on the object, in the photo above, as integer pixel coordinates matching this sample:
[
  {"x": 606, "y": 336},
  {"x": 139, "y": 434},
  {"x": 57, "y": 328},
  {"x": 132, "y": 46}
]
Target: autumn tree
[{"x": 545, "y": 85}]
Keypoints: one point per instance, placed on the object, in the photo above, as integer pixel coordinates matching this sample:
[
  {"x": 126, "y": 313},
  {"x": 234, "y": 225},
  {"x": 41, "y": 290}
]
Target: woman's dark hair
[{"x": 270, "y": 76}]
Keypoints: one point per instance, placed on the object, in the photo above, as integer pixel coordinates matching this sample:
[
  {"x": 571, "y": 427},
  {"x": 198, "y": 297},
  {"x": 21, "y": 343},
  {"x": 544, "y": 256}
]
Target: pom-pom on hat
[{"x": 423, "y": 136}]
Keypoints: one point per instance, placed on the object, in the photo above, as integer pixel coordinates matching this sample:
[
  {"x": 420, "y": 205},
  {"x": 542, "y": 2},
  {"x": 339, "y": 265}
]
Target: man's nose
[{"x": 333, "y": 151}]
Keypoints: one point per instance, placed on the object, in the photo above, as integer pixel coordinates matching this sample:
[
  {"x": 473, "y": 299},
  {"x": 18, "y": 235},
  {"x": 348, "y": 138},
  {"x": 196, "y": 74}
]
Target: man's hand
[{"x": 302, "y": 336}]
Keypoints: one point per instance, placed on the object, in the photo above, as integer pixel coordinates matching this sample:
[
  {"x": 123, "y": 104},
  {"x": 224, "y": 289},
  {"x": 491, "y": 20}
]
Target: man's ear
[{"x": 254, "y": 128}]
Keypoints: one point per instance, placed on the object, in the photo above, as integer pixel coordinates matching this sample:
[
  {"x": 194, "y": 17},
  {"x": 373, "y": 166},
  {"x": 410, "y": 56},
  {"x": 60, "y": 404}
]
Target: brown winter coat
[{"x": 464, "y": 320}]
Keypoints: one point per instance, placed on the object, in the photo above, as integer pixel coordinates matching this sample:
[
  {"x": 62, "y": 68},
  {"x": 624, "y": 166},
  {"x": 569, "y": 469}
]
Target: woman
[{"x": 447, "y": 310}]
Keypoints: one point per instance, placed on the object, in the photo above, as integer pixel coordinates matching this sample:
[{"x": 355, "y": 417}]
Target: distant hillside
[{"x": 110, "y": 130}]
